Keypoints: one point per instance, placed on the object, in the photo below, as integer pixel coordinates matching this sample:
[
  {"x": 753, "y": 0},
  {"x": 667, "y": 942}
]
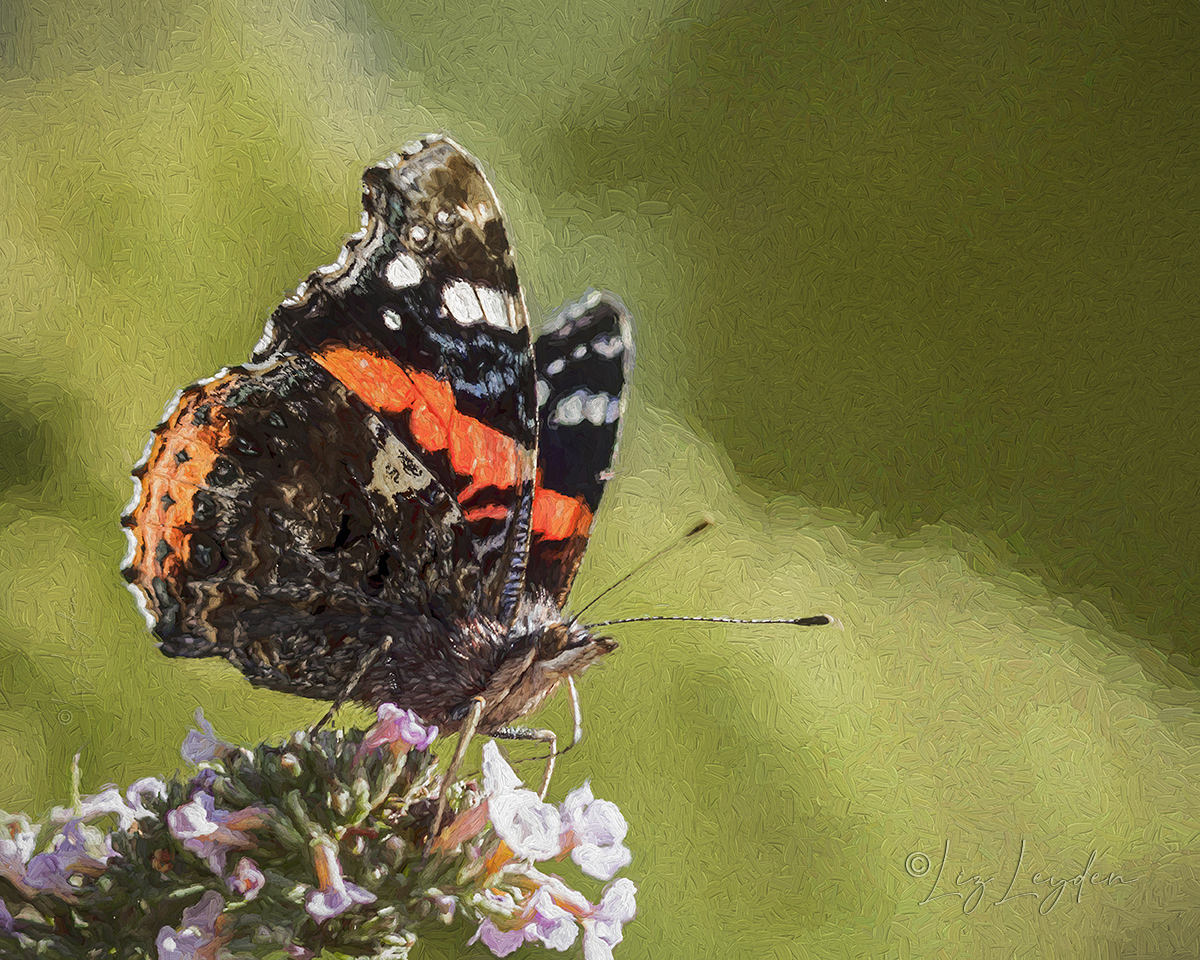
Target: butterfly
[{"x": 390, "y": 501}]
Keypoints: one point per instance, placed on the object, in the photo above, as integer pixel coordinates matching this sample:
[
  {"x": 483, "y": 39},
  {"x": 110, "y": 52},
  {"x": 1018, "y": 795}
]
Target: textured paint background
[{"x": 917, "y": 294}]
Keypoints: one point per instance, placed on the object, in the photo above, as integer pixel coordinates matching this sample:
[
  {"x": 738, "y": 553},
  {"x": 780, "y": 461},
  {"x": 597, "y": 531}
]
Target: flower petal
[
  {"x": 498, "y": 776},
  {"x": 500, "y": 942},
  {"x": 202, "y": 745},
  {"x": 530, "y": 827},
  {"x": 601, "y": 862}
]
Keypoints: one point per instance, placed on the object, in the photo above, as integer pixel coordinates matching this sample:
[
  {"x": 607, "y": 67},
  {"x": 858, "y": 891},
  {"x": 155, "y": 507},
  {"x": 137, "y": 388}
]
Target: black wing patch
[{"x": 584, "y": 359}]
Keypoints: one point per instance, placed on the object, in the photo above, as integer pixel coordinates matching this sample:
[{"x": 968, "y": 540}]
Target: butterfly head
[{"x": 540, "y": 650}]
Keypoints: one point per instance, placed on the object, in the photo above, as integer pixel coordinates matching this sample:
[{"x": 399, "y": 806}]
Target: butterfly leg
[
  {"x": 363, "y": 666},
  {"x": 464, "y": 738},
  {"x": 547, "y": 736},
  {"x": 542, "y": 736}
]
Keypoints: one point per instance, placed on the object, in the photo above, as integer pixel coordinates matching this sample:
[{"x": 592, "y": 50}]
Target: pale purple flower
[
  {"x": 78, "y": 850},
  {"x": 297, "y": 952},
  {"x": 547, "y": 916},
  {"x": 500, "y": 942},
  {"x": 445, "y": 904},
  {"x": 212, "y": 833},
  {"x": 394, "y": 725},
  {"x": 246, "y": 880},
  {"x": 128, "y": 807},
  {"x": 530, "y": 827},
  {"x": 594, "y": 831},
  {"x": 602, "y": 930},
  {"x": 195, "y": 934},
  {"x": 549, "y": 924},
  {"x": 151, "y": 786},
  {"x": 202, "y": 745},
  {"x": 336, "y": 894},
  {"x": 18, "y": 840},
  {"x": 6, "y": 918}
]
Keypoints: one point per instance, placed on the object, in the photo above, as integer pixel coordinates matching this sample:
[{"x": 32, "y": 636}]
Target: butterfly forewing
[{"x": 424, "y": 319}]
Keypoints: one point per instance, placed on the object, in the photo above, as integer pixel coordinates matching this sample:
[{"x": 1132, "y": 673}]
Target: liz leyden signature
[{"x": 1048, "y": 889}]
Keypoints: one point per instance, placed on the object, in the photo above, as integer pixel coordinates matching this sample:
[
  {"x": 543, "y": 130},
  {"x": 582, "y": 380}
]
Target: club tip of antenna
[
  {"x": 703, "y": 524},
  {"x": 819, "y": 620}
]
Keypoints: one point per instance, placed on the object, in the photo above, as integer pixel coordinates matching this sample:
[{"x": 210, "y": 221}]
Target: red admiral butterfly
[{"x": 390, "y": 502}]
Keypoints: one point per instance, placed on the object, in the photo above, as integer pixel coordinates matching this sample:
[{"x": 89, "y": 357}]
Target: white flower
[
  {"x": 530, "y": 827},
  {"x": 594, "y": 831}
]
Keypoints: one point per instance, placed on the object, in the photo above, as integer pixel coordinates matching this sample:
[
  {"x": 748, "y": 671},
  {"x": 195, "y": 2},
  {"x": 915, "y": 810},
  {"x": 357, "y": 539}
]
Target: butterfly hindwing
[
  {"x": 584, "y": 358},
  {"x": 280, "y": 523}
]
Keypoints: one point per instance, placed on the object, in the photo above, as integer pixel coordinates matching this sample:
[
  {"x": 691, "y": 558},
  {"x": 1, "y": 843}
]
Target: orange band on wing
[
  {"x": 487, "y": 456},
  {"x": 557, "y": 517},
  {"x": 170, "y": 481}
]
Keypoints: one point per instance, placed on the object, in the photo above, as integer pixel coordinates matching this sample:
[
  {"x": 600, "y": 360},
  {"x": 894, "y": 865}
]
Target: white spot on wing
[
  {"x": 569, "y": 412},
  {"x": 608, "y": 346},
  {"x": 460, "y": 299},
  {"x": 555, "y": 367},
  {"x": 168, "y": 410},
  {"x": 219, "y": 375},
  {"x": 131, "y": 552},
  {"x": 402, "y": 271},
  {"x": 579, "y": 352},
  {"x": 579, "y": 308},
  {"x": 133, "y": 502},
  {"x": 595, "y": 408},
  {"x": 298, "y": 295},
  {"x": 495, "y": 309},
  {"x": 543, "y": 392},
  {"x": 392, "y": 319},
  {"x": 337, "y": 265}
]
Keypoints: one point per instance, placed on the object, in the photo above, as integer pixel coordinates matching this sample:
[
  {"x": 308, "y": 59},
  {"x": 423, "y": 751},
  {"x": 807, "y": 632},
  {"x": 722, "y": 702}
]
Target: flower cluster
[
  {"x": 317, "y": 844},
  {"x": 539, "y": 907}
]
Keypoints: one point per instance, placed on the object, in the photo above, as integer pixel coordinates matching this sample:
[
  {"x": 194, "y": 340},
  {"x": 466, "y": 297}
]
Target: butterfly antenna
[
  {"x": 657, "y": 555},
  {"x": 820, "y": 620}
]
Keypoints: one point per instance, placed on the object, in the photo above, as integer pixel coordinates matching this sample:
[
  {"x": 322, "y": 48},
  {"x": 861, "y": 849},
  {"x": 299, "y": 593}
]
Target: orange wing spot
[
  {"x": 556, "y": 517},
  {"x": 487, "y": 456},
  {"x": 486, "y": 513},
  {"x": 169, "y": 483}
]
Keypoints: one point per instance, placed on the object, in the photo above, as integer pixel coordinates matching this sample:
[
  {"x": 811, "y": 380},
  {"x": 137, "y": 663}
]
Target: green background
[{"x": 918, "y": 303}]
